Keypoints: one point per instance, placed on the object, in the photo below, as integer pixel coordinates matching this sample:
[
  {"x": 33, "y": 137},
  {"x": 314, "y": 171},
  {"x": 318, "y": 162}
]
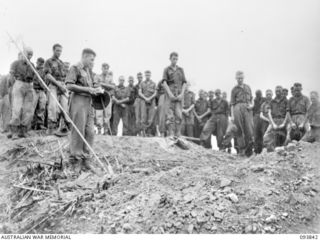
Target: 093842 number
[{"x": 308, "y": 236}]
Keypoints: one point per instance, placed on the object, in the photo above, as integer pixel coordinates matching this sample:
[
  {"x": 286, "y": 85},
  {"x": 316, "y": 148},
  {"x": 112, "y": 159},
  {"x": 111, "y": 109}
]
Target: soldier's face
[
  {"x": 29, "y": 55},
  {"x": 88, "y": 60},
  {"x": 314, "y": 99},
  {"x": 224, "y": 95},
  {"x": 105, "y": 69},
  {"x": 174, "y": 60},
  {"x": 218, "y": 95},
  {"x": 121, "y": 81},
  {"x": 40, "y": 64},
  {"x": 139, "y": 77},
  {"x": 297, "y": 90},
  {"x": 130, "y": 81},
  {"x": 211, "y": 95},
  {"x": 285, "y": 93},
  {"x": 269, "y": 95},
  {"x": 201, "y": 95},
  {"x": 240, "y": 80},
  {"x": 278, "y": 92},
  {"x": 57, "y": 52},
  {"x": 148, "y": 76}
]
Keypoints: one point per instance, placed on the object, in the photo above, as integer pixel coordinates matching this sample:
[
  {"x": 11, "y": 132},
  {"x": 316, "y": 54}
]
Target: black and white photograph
[{"x": 162, "y": 117}]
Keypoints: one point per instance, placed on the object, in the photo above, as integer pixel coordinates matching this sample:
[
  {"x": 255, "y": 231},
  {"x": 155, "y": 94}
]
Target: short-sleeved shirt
[
  {"x": 201, "y": 106},
  {"x": 279, "y": 107},
  {"x": 257, "y": 105},
  {"x": 188, "y": 99},
  {"x": 175, "y": 79},
  {"x": 241, "y": 94},
  {"x": 219, "y": 107},
  {"x": 56, "y": 68},
  {"x": 121, "y": 92},
  {"x": 265, "y": 107},
  {"x": 36, "y": 81},
  {"x": 148, "y": 88},
  {"x": 136, "y": 91},
  {"x": 298, "y": 105},
  {"x": 22, "y": 71},
  {"x": 82, "y": 76},
  {"x": 313, "y": 115}
]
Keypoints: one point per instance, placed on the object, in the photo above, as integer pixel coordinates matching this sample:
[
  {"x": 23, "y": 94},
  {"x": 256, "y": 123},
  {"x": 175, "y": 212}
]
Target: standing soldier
[
  {"x": 258, "y": 122},
  {"x": 313, "y": 116},
  {"x": 102, "y": 115},
  {"x": 54, "y": 70},
  {"x": 241, "y": 114},
  {"x": 80, "y": 82},
  {"x": 131, "y": 108},
  {"x": 40, "y": 97},
  {"x": 298, "y": 106},
  {"x": 277, "y": 117},
  {"x": 22, "y": 77},
  {"x": 200, "y": 109},
  {"x": 148, "y": 93},
  {"x": 218, "y": 122},
  {"x": 120, "y": 98},
  {"x": 174, "y": 82},
  {"x": 188, "y": 113},
  {"x": 137, "y": 104}
]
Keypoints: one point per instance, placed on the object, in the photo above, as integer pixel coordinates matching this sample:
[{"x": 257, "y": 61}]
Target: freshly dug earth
[{"x": 157, "y": 187}]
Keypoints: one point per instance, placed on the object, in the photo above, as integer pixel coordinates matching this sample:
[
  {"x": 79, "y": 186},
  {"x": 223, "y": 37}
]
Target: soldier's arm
[
  {"x": 273, "y": 124},
  {"x": 263, "y": 117},
  {"x": 108, "y": 86},
  {"x": 305, "y": 120},
  {"x": 154, "y": 94},
  {"x": 72, "y": 86},
  {"x": 167, "y": 89},
  {"x": 141, "y": 94},
  {"x": 165, "y": 84}
]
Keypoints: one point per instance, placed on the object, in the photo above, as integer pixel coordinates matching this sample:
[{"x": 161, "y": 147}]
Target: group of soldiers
[{"x": 55, "y": 97}]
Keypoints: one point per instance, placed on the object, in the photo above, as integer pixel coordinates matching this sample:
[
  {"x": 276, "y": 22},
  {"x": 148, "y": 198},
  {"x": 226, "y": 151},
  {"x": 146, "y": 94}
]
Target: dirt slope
[{"x": 158, "y": 188}]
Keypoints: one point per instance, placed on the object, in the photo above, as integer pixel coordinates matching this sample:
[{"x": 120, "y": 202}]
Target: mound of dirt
[{"x": 158, "y": 186}]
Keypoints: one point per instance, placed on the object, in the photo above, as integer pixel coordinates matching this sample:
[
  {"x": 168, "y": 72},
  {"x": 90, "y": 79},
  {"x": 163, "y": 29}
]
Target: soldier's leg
[
  {"x": 137, "y": 110},
  {"x": 125, "y": 121},
  {"x": 239, "y": 122},
  {"x": 115, "y": 119},
  {"x": 79, "y": 113},
  {"x": 41, "y": 108},
  {"x": 178, "y": 118},
  {"x": 89, "y": 129},
  {"x": 17, "y": 103},
  {"x": 162, "y": 115},
  {"x": 221, "y": 128},
  {"x": 151, "y": 116},
  {"x": 52, "y": 109},
  {"x": 144, "y": 115},
  {"x": 108, "y": 111}
]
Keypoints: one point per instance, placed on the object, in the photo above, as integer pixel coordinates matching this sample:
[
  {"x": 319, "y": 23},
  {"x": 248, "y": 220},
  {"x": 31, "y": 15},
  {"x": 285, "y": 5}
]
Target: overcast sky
[{"x": 272, "y": 41}]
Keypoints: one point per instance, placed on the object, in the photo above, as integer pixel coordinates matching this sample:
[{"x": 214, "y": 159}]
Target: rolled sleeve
[{"x": 72, "y": 76}]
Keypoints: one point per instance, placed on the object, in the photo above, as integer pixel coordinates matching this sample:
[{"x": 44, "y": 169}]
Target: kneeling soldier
[
  {"x": 218, "y": 122},
  {"x": 313, "y": 116}
]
